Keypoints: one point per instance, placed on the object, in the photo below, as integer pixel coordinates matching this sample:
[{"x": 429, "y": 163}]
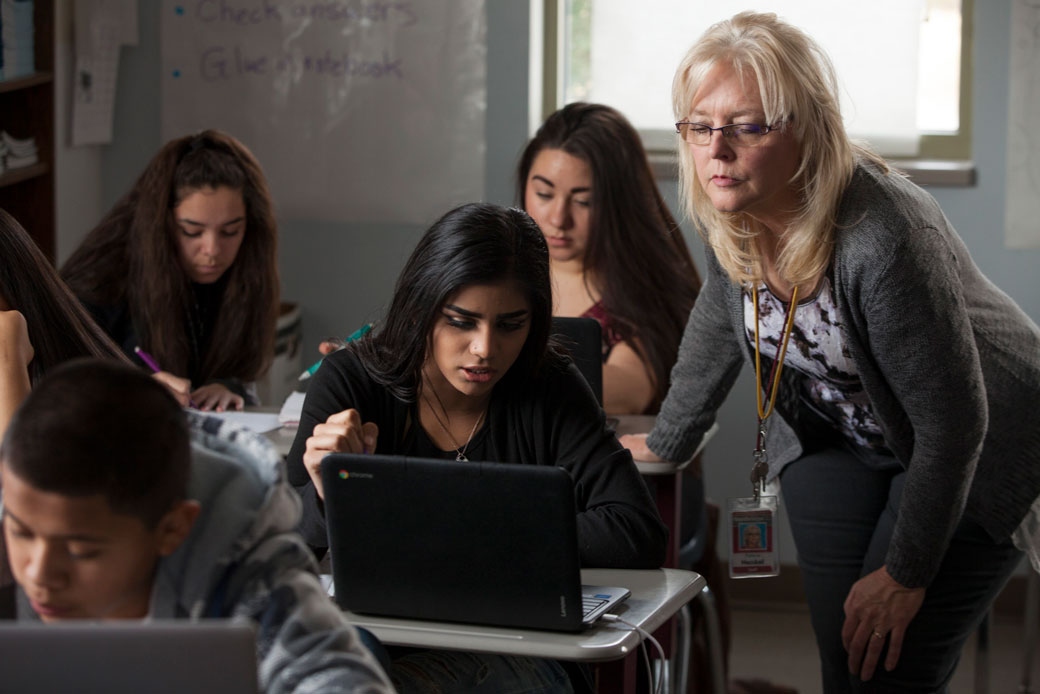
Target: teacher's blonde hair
[{"x": 799, "y": 89}]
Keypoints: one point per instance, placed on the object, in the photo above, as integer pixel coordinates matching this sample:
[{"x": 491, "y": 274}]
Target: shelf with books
[{"x": 27, "y": 113}]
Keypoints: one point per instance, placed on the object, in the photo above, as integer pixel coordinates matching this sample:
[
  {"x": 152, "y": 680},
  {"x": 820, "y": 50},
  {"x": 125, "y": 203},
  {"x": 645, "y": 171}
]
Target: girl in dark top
[
  {"x": 184, "y": 266},
  {"x": 463, "y": 368},
  {"x": 41, "y": 322},
  {"x": 616, "y": 253}
]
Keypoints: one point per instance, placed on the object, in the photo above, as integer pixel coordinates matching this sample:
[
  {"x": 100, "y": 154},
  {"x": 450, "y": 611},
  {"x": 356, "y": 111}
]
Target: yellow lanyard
[
  {"x": 785, "y": 336},
  {"x": 761, "y": 468}
]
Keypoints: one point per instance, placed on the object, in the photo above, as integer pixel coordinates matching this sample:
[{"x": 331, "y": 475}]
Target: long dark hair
[
  {"x": 473, "y": 244},
  {"x": 131, "y": 256},
  {"x": 635, "y": 250},
  {"x": 59, "y": 327}
]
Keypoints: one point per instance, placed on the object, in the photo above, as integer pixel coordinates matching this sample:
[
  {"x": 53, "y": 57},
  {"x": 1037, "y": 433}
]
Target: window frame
[{"x": 943, "y": 159}]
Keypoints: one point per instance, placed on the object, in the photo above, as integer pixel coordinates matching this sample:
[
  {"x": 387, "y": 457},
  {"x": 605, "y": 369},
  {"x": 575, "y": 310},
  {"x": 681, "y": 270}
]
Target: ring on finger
[{"x": 876, "y": 633}]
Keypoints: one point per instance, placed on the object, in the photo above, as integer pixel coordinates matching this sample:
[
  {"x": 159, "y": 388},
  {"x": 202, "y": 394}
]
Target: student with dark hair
[
  {"x": 463, "y": 368},
  {"x": 185, "y": 267},
  {"x": 616, "y": 253},
  {"x": 41, "y": 322},
  {"x": 112, "y": 509}
]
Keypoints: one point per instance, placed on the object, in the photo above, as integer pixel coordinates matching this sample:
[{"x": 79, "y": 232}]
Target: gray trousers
[{"x": 842, "y": 503}]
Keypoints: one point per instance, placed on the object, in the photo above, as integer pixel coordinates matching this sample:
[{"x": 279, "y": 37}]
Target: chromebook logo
[{"x": 346, "y": 475}]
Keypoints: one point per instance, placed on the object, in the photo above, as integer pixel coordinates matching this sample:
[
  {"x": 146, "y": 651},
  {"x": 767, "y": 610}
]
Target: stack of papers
[
  {"x": 292, "y": 408},
  {"x": 16, "y": 153},
  {"x": 16, "y": 39}
]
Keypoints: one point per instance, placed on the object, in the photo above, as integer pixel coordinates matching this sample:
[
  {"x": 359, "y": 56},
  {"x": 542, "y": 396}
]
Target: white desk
[{"x": 656, "y": 596}]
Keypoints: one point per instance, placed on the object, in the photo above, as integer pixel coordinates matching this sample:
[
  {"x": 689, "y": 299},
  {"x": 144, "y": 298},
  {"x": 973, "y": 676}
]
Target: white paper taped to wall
[
  {"x": 102, "y": 27},
  {"x": 1023, "y": 161},
  {"x": 359, "y": 110}
]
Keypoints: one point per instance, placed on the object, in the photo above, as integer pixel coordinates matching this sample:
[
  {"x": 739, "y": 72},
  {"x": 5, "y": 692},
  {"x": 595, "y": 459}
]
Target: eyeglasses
[{"x": 739, "y": 134}]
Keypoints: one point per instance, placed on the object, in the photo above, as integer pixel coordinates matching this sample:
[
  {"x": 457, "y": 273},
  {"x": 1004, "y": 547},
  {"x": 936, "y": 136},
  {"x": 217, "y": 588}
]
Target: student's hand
[
  {"x": 878, "y": 609},
  {"x": 179, "y": 387},
  {"x": 342, "y": 432},
  {"x": 216, "y": 397},
  {"x": 637, "y": 444},
  {"x": 330, "y": 345},
  {"x": 15, "y": 349}
]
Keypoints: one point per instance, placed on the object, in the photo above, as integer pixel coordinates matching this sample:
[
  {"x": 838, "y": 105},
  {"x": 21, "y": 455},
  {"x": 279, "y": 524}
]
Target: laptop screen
[{"x": 483, "y": 543}]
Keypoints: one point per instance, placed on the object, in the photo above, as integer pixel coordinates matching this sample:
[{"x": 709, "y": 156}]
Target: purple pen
[{"x": 149, "y": 360}]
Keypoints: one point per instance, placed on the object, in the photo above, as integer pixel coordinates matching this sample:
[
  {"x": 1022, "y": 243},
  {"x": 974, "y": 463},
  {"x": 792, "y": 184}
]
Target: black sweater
[
  {"x": 117, "y": 321},
  {"x": 552, "y": 420}
]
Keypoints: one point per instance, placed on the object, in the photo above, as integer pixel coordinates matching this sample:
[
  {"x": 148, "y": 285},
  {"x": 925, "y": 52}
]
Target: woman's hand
[
  {"x": 342, "y": 432},
  {"x": 637, "y": 444},
  {"x": 877, "y": 608},
  {"x": 216, "y": 397},
  {"x": 179, "y": 387}
]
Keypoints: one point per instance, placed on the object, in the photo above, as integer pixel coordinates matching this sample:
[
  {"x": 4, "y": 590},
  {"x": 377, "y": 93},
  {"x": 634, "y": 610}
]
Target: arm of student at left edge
[
  {"x": 15, "y": 354},
  {"x": 618, "y": 522},
  {"x": 627, "y": 386},
  {"x": 306, "y": 645}
]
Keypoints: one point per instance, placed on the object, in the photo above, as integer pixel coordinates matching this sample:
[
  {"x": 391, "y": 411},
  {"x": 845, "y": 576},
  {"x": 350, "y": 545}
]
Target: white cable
[{"x": 647, "y": 636}]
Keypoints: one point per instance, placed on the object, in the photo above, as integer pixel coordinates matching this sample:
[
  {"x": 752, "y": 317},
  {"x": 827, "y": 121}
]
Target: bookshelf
[{"x": 27, "y": 110}]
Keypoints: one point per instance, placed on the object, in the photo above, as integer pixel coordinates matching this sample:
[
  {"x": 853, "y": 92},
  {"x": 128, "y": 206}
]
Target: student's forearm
[{"x": 14, "y": 388}]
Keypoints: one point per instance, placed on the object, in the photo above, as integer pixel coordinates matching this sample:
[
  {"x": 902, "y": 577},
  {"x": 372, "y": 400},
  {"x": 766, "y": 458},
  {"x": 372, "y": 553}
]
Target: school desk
[
  {"x": 656, "y": 596},
  {"x": 667, "y": 477},
  {"x": 668, "y": 488}
]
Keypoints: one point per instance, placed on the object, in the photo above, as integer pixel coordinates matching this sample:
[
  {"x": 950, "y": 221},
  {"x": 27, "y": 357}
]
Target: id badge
[{"x": 753, "y": 551}]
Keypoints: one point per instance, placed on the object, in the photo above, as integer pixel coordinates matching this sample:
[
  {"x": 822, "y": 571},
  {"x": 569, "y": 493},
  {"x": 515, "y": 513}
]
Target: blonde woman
[{"x": 904, "y": 432}]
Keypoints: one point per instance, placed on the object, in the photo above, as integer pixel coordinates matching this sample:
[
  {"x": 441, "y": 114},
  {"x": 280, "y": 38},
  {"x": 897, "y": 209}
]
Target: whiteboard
[{"x": 358, "y": 110}]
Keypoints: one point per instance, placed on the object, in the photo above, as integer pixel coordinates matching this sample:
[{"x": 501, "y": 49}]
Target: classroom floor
[{"x": 776, "y": 643}]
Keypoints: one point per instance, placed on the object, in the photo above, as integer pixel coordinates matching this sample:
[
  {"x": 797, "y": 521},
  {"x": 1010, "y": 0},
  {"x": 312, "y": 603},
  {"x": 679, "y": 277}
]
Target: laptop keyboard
[{"x": 591, "y": 603}]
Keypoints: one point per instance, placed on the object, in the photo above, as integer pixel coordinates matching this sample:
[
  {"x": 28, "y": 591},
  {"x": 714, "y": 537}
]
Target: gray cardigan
[{"x": 950, "y": 363}]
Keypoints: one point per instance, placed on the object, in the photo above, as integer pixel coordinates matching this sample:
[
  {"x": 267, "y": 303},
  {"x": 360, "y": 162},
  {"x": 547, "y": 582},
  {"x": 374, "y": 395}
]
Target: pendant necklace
[{"x": 461, "y": 450}]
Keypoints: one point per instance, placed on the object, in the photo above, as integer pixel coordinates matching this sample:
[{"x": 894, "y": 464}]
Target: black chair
[{"x": 583, "y": 338}]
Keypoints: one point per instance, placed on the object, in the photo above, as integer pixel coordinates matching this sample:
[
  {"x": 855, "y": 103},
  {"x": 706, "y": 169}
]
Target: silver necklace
[{"x": 461, "y": 450}]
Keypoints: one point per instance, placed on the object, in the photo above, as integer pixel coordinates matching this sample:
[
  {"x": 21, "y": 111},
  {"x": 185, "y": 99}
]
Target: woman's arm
[
  {"x": 627, "y": 385},
  {"x": 15, "y": 354},
  {"x": 921, "y": 339},
  {"x": 709, "y": 362}
]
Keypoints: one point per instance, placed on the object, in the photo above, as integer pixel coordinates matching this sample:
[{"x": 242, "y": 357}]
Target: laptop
[
  {"x": 480, "y": 543},
  {"x": 583, "y": 338},
  {"x": 208, "y": 657}
]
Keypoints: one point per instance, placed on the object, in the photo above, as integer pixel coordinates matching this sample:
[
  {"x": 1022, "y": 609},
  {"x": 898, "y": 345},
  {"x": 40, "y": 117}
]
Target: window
[{"x": 903, "y": 65}]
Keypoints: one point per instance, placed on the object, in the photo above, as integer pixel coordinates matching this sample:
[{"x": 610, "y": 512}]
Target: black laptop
[{"x": 481, "y": 543}]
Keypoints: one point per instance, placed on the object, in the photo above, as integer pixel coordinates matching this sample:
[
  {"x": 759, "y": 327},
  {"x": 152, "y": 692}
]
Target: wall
[
  {"x": 77, "y": 169},
  {"x": 342, "y": 274}
]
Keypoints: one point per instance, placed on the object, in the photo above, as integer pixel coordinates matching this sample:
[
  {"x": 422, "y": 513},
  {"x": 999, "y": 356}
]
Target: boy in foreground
[{"x": 111, "y": 512}]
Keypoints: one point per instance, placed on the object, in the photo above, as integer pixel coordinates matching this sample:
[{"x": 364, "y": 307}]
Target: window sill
[{"x": 923, "y": 172}]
